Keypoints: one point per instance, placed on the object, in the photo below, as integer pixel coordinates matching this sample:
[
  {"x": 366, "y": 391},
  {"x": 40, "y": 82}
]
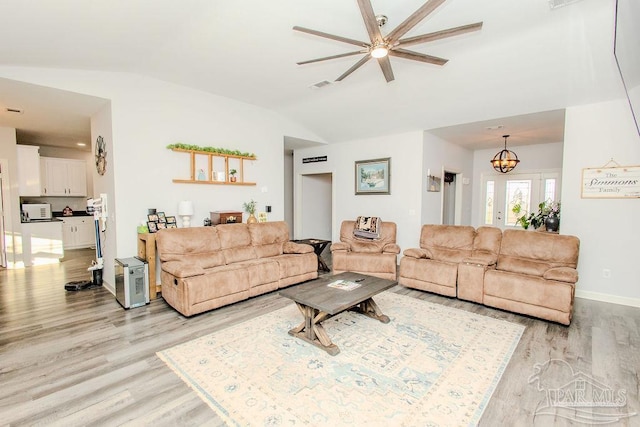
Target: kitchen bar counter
[{"x": 41, "y": 242}]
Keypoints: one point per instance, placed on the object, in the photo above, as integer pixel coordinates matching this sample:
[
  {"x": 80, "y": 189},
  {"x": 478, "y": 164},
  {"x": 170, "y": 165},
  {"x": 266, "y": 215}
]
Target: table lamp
[{"x": 185, "y": 210}]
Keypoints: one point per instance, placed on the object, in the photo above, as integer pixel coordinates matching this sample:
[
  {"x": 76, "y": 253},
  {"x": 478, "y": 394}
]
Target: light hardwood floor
[{"x": 78, "y": 358}]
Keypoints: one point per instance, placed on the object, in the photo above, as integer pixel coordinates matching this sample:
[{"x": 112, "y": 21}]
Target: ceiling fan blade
[
  {"x": 385, "y": 65},
  {"x": 355, "y": 67},
  {"x": 370, "y": 21},
  {"x": 416, "y": 56},
  {"x": 342, "y": 55},
  {"x": 413, "y": 20},
  {"x": 331, "y": 36},
  {"x": 450, "y": 32}
]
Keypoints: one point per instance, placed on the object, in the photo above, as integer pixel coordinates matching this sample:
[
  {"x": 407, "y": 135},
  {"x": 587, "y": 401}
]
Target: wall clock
[{"x": 101, "y": 155}]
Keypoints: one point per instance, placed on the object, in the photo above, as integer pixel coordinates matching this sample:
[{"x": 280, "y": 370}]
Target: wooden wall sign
[{"x": 622, "y": 182}]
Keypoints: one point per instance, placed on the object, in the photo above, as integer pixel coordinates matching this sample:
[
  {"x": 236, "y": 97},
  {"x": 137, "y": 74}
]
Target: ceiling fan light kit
[
  {"x": 505, "y": 161},
  {"x": 381, "y": 47},
  {"x": 379, "y": 51}
]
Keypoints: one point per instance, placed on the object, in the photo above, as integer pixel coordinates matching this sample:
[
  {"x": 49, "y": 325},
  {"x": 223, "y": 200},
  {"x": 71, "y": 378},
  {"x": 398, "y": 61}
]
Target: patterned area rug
[{"x": 430, "y": 366}]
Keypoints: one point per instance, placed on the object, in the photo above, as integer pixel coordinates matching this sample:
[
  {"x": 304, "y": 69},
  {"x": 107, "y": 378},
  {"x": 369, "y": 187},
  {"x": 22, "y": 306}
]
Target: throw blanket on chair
[{"x": 368, "y": 227}]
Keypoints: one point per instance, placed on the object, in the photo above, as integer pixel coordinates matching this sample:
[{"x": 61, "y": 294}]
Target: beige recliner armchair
[{"x": 374, "y": 257}]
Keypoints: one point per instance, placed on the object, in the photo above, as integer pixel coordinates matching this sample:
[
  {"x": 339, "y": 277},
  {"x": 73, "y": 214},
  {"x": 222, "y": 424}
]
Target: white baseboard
[
  {"x": 614, "y": 299},
  {"x": 109, "y": 287}
]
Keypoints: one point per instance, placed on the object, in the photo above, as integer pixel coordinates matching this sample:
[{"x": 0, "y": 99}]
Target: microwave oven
[{"x": 36, "y": 211}]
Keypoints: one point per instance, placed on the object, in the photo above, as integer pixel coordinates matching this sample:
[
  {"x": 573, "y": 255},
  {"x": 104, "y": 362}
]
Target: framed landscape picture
[{"x": 373, "y": 176}]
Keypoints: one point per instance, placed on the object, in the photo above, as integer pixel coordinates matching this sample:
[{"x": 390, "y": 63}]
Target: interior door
[{"x": 502, "y": 192}]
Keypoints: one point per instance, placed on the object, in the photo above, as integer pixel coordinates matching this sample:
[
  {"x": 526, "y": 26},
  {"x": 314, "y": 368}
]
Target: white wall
[
  {"x": 11, "y": 198},
  {"x": 440, "y": 155},
  {"x": 402, "y": 206},
  {"x": 608, "y": 229},
  {"x": 149, "y": 114},
  {"x": 533, "y": 158},
  {"x": 101, "y": 125}
]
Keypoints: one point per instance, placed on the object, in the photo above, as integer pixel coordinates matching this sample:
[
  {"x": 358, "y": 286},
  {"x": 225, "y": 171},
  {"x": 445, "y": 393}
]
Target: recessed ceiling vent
[
  {"x": 554, "y": 4},
  {"x": 14, "y": 110},
  {"x": 320, "y": 85}
]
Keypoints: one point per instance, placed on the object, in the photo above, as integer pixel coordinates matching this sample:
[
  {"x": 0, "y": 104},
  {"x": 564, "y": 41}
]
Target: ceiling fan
[{"x": 381, "y": 47}]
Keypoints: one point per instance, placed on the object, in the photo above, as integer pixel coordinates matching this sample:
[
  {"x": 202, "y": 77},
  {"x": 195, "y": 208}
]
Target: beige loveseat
[
  {"x": 208, "y": 267},
  {"x": 443, "y": 248},
  {"x": 522, "y": 271},
  {"x": 374, "y": 257}
]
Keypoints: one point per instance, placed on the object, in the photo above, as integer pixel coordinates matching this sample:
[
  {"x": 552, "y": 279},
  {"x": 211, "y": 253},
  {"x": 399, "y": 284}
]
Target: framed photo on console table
[{"x": 373, "y": 176}]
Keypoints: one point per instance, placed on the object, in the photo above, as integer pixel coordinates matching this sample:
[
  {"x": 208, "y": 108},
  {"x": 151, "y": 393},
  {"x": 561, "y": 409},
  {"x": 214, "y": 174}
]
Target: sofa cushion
[
  {"x": 428, "y": 270},
  {"x": 529, "y": 289},
  {"x": 222, "y": 281},
  {"x": 486, "y": 244},
  {"x": 533, "y": 253},
  {"x": 292, "y": 265},
  {"x": 450, "y": 243},
  {"x": 198, "y": 245},
  {"x": 268, "y": 237},
  {"x": 358, "y": 244},
  {"x": 235, "y": 241}
]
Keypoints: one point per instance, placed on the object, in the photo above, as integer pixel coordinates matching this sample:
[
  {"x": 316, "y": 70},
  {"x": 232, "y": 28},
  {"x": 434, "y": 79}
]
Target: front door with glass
[{"x": 502, "y": 192}]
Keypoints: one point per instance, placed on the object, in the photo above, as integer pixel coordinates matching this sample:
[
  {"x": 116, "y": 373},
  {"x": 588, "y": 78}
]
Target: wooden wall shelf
[{"x": 193, "y": 178}]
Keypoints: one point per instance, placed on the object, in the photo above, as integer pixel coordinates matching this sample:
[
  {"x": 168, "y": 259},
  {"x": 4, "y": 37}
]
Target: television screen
[{"x": 627, "y": 52}]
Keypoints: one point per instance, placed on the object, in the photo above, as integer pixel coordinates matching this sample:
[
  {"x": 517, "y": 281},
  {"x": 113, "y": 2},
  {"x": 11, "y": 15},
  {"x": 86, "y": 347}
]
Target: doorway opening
[
  {"x": 451, "y": 197},
  {"x": 4, "y": 180},
  {"x": 315, "y": 206}
]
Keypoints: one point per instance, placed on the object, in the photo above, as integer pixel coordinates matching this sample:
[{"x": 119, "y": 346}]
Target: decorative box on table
[{"x": 225, "y": 217}]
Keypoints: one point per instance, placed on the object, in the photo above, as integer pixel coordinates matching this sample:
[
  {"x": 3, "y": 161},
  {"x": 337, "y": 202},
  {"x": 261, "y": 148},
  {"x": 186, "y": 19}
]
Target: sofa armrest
[
  {"x": 296, "y": 248},
  {"x": 391, "y": 248},
  {"x": 561, "y": 274},
  {"x": 182, "y": 269},
  {"x": 418, "y": 253},
  {"x": 340, "y": 246},
  {"x": 481, "y": 260}
]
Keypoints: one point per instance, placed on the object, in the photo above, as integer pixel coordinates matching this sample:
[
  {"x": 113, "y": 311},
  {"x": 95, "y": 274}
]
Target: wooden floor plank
[{"x": 79, "y": 358}]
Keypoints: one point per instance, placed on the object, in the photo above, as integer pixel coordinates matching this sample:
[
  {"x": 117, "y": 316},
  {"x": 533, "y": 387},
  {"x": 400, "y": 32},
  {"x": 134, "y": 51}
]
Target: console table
[{"x": 147, "y": 252}]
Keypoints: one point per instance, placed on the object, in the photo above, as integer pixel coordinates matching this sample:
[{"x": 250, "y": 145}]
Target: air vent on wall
[
  {"x": 554, "y": 4},
  {"x": 320, "y": 85}
]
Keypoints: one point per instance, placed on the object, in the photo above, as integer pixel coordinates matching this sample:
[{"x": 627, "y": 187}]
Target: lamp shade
[{"x": 185, "y": 208}]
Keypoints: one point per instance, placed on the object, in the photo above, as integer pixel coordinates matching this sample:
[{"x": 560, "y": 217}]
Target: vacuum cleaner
[{"x": 97, "y": 207}]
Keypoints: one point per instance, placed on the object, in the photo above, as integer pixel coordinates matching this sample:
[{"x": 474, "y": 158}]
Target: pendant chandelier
[{"x": 505, "y": 161}]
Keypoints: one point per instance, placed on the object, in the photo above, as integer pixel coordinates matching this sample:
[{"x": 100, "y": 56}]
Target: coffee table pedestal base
[{"x": 311, "y": 330}]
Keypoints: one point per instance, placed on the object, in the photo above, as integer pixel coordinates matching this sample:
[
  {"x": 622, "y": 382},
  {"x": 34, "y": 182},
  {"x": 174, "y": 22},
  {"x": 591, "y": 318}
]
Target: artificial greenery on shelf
[{"x": 215, "y": 150}]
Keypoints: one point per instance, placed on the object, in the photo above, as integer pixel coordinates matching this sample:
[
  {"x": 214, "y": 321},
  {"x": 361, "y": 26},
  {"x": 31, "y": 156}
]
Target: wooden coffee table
[{"x": 318, "y": 302}]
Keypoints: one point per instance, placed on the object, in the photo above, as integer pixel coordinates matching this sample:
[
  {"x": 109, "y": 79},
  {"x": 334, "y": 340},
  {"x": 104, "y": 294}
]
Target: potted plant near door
[
  {"x": 548, "y": 215},
  {"x": 232, "y": 173}
]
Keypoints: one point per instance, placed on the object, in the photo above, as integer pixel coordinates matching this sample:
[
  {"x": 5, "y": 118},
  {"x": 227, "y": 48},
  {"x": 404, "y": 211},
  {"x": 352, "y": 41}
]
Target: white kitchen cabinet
[
  {"x": 64, "y": 177},
  {"x": 28, "y": 170},
  {"x": 78, "y": 232}
]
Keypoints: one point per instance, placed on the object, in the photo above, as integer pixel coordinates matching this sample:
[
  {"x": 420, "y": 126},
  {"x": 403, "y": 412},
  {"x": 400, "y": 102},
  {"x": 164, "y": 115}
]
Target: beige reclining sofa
[
  {"x": 526, "y": 272},
  {"x": 208, "y": 267}
]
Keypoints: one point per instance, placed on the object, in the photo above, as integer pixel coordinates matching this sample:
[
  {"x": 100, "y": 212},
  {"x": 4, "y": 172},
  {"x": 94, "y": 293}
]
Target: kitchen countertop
[
  {"x": 38, "y": 221},
  {"x": 58, "y": 214}
]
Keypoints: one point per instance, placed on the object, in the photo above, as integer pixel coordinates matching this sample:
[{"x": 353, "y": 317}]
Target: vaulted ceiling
[{"x": 528, "y": 58}]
